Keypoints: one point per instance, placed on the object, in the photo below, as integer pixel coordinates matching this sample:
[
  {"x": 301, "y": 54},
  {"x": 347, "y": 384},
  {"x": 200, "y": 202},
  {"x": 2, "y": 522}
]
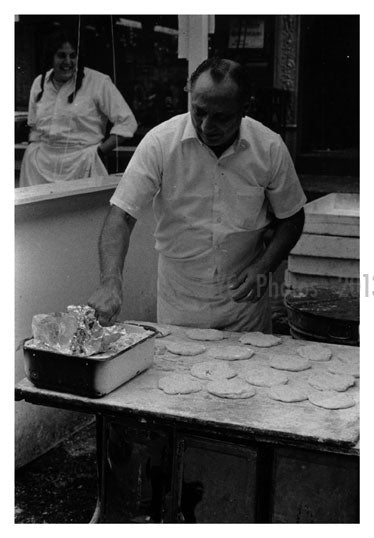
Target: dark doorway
[{"x": 329, "y": 83}]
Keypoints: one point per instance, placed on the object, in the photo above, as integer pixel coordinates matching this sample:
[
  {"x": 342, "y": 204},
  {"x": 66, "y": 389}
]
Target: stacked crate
[{"x": 327, "y": 253}]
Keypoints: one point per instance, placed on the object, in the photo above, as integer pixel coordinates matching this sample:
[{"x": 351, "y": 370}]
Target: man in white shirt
[{"x": 217, "y": 179}]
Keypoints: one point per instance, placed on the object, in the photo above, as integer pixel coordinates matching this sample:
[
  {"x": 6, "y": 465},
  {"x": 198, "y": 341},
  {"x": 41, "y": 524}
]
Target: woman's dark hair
[
  {"x": 218, "y": 69},
  {"x": 55, "y": 41}
]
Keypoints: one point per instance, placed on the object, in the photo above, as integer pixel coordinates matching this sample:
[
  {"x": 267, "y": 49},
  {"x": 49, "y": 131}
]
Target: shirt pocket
[{"x": 248, "y": 206}]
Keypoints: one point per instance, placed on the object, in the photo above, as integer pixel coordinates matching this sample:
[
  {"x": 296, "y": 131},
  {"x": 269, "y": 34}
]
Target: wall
[{"x": 57, "y": 265}]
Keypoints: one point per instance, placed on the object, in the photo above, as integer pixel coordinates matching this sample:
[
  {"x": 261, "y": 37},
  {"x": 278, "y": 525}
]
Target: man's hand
[
  {"x": 250, "y": 285},
  {"x": 107, "y": 301}
]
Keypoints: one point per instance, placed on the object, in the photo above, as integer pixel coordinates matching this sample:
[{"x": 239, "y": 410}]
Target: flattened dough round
[
  {"x": 331, "y": 400},
  {"x": 260, "y": 339},
  {"x": 328, "y": 381},
  {"x": 349, "y": 355},
  {"x": 212, "y": 370},
  {"x": 288, "y": 393},
  {"x": 163, "y": 330},
  {"x": 230, "y": 353},
  {"x": 231, "y": 388},
  {"x": 178, "y": 384},
  {"x": 292, "y": 363},
  {"x": 315, "y": 352},
  {"x": 185, "y": 348},
  {"x": 205, "y": 334},
  {"x": 264, "y": 377},
  {"x": 344, "y": 368}
]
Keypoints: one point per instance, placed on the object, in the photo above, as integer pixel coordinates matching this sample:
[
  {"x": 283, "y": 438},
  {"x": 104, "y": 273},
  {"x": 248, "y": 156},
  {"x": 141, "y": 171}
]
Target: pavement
[{"x": 59, "y": 486}]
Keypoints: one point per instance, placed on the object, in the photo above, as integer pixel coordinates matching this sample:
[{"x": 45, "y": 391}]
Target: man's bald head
[{"x": 220, "y": 69}]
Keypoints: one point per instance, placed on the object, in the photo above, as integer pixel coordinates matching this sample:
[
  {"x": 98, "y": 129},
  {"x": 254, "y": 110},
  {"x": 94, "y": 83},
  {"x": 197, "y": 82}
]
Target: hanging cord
[
  {"x": 114, "y": 81},
  {"x": 78, "y": 52},
  {"x": 245, "y": 34},
  {"x": 239, "y": 33}
]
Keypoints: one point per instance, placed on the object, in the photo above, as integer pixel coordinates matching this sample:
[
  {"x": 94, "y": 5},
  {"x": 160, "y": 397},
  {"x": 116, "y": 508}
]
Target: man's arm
[
  {"x": 251, "y": 284},
  {"x": 113, "y": 246}
]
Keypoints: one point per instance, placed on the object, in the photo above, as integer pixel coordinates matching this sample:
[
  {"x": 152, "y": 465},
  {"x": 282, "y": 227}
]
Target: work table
[{"x": 268, "y": 432}]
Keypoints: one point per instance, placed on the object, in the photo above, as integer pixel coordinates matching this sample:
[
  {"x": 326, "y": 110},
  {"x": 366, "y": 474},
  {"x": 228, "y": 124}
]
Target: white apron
[
  {"x": 44, "y": 163},
  {"x": 194, "y": 303}
]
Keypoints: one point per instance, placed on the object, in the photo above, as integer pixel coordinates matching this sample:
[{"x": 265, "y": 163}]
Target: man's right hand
[{"x": 107, "y": 301}]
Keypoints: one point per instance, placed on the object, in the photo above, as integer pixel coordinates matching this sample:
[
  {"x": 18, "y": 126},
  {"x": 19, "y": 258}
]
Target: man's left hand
[{"x": 249, "y": 286}]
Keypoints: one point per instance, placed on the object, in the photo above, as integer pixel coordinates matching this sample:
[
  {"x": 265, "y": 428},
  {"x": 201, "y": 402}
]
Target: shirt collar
[
  {"x": 48, "y": 78},
  {"x": 48, "y": 75},
  {"x": 189, "y": 130},
  {"x": 242, "y": 142}
]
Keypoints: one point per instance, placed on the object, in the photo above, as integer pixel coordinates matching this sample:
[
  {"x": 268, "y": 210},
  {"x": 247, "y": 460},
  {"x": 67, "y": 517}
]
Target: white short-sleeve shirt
[{"x": 211, "y": 213}]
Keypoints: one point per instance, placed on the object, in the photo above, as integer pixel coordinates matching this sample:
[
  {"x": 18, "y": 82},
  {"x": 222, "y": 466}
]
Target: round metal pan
[{"x": 324, "y": 316}]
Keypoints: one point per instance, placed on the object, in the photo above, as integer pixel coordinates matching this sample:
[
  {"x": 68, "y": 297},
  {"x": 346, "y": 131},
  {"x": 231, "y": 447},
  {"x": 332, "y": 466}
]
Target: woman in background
[{"x": 69, "y": 108}]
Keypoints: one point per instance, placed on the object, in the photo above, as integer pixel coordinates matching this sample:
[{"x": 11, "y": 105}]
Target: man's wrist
[
  {"x": 262, "y": 267},
  {"x": 105, "y": 279}
]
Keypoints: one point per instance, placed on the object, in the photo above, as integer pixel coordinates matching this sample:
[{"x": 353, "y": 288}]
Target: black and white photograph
[{"x": 187, "y": 278}]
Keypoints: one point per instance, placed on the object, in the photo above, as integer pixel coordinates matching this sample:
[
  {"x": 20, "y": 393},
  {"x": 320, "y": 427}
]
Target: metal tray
[{"x": 92, "y": 376}]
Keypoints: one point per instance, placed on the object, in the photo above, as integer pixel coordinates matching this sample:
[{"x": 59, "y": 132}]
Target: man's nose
[{"x": 207, "y": 124}]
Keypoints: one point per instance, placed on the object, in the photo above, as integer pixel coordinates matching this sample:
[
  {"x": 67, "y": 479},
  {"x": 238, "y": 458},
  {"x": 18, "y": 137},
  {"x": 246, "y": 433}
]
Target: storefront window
[
  {"x": 149, "y": 69},
  {"x": 250, "y": 40},
  {"x": 139, "y": 53}
]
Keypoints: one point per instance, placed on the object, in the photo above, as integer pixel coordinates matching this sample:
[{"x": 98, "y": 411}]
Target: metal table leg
[{"x": 101, "y": 455}]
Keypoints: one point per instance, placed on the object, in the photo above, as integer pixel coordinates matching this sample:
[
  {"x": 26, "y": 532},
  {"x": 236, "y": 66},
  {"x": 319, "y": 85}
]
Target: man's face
[{"x": 216, "y": 112}]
